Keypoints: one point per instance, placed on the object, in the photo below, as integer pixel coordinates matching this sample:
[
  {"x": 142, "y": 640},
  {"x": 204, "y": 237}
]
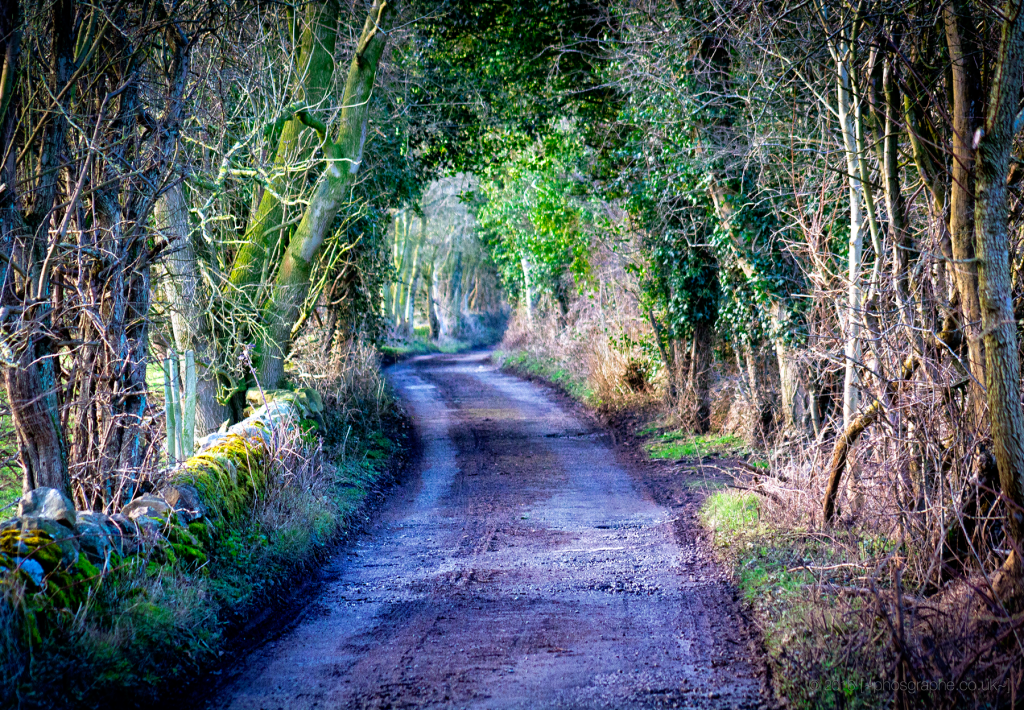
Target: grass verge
[
  {"x": 795, "y": 581},
  {"x": 155, "y": 622},
  {"x": 549, "y": 369},
  {"x": 875, "y": 610}
]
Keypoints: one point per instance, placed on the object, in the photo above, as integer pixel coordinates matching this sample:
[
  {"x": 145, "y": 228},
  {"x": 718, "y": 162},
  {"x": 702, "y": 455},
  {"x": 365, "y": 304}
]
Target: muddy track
[{"x": 521, "y": 564}]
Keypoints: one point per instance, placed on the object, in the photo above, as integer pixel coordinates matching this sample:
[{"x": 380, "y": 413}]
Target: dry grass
[
  {"x": 887, "y": 610},
  {"x": 350, "y": 382},
  {"x": 597, "y": 360}
]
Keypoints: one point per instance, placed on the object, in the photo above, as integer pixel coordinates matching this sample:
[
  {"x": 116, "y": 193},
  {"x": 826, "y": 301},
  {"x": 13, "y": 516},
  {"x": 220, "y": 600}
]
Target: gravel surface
[{"x": 522, "y": 563}]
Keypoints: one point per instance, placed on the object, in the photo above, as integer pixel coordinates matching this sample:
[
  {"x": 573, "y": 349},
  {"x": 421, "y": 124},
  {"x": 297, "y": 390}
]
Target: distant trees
[{"x": 442, "y": 271}]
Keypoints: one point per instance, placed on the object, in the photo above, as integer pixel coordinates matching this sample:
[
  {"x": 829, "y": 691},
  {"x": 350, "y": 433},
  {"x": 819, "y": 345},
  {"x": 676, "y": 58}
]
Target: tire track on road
[{"x": 520, "y": 566}]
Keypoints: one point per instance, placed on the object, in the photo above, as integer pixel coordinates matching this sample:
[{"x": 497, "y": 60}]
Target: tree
[
  {"x": 993, "y": 142},
  {"x": 298, "y": 153},
  {"x": 86, "y": 160},
  {"x": 343, "y": 157}
]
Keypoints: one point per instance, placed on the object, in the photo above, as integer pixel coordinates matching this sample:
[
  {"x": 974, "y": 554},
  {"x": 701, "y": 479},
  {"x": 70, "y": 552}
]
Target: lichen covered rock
[
  {"x": 45, "y": 555},
  {"x": 305, "y": 402},
  {"x": 31, "y": 536},
  {"x": 147, "y": 505},
  {"x": 48, "y": 503}
]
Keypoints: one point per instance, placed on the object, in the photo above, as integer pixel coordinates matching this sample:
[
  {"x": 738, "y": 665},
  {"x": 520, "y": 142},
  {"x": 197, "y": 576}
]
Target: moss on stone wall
[{"x": 111, "y": 606}]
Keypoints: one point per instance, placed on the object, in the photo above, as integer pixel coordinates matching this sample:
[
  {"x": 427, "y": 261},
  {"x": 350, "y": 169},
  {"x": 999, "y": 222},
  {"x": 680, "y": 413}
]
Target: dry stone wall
[{"x": 59, "y": 554}]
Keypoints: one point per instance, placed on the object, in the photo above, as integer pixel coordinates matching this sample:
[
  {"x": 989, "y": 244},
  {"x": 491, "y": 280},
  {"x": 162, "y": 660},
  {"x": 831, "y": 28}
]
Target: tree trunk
[
  {"x": 344, "y": 156},
  {"x": 846, "y": 440},
  {"x": 265, "y": 234},
  {"x": 854, "y": 302},
  {"x": 433, "y": 327},
  {"x": 1002, "y": 370},
  {"x": 395, "y": 293},
  {"x": 410, "y": 294},
  {"x": 32, "y": 393},
  {"x": 188, "y": 300},
  {"x": 760, "y": 400},
  {"x": 667, "y": 359},
  {"x": 134, "y": 390},
  {"x": 963, "y": 56},
  {"x": 925, "y": 144},
  {"x": 699, "y": 378},
  {"x": 527, "y": 291},
  {"x": 895, "y": 205},
  {"x": 31, "y": 382},
  {"x": 791, "y": 389},
  {"x": 452, "y": 326}
]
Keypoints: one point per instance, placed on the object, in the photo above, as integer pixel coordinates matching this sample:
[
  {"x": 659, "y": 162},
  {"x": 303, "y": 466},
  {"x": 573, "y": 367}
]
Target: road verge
[{"x": 143, "y": 605}]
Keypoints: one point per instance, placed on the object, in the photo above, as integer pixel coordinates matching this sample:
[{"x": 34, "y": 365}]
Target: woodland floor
[{"x": 525, "y": 560}]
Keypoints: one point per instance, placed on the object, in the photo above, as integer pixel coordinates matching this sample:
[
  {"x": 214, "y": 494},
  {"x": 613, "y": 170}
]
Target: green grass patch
[
  {"x": 678, "y": 445},
  {"x": 762, "y": 577},
  {"x": 764, "y": 565},
  {"x": 547, "y": 368},
  {"x": 421, "y": 345},
  {"x": 731, "y": 513}
]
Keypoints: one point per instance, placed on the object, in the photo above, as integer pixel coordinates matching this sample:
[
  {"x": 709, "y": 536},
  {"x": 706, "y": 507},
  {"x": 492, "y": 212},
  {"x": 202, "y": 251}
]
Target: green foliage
[
  {"x": 679, "y": 284},
  {"x": 237, "y": 126},
  {"x": 492, "y": 71},
  {"x": 537, "y": 203},
  {"x": 682, "y": 132}
]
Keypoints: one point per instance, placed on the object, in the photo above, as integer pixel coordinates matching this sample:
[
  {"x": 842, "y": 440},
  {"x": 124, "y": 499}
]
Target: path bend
[{"x": 518, "y": 566}]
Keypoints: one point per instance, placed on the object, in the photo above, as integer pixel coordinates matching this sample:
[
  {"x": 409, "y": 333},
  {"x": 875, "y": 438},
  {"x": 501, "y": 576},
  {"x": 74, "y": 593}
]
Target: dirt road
[{"x": 518, "y": 566}]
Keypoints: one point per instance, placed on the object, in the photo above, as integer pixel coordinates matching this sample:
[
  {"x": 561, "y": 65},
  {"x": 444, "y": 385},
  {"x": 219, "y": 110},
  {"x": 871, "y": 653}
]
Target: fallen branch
[
  {"x": 848, "y": 438},
  {"x": 759, "y": 491}
]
